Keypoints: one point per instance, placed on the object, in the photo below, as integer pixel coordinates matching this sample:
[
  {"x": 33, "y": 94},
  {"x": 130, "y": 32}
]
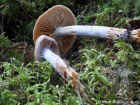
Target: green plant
[
  {"x": 6, "y": 98},
  {"x": 104, "y": 12},
  {"x": 88, "y": 17},
  {"x": 7, "y": 46},
  {"x": 4, "y": 41},
  {"x": 132, "y": 7}
]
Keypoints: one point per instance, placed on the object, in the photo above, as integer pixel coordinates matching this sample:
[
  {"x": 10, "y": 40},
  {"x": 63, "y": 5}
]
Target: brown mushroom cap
[
  {"x": 44, "y": 42},
  {"x": 48, "y": 22}
]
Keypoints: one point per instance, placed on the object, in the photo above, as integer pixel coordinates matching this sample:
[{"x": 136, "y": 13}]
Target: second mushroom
[{"x": 47, "y": 48}]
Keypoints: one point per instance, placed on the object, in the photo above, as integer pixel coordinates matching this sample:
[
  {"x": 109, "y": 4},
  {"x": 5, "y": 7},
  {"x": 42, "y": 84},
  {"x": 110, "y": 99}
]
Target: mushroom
[
  {"x": 49, "y": 21},
  {"x": 46, "y": 47},
  {"x": 60, "y": 23}
]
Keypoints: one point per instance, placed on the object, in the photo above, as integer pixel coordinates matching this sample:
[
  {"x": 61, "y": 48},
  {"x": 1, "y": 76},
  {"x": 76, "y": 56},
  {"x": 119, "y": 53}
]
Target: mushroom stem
[
  {"x": 98, "y": 32},
  {"x": 65, "y": 71},
  {"x": 58, "y": 63},
  {"x": 47, "y": 47}
]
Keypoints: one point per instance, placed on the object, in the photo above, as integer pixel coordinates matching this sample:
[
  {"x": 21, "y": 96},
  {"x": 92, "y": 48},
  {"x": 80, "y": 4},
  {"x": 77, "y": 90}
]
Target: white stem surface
[
  {"x": 63, "y": 69},
  {"x": 55, "y": 60},
  {"x": 97, "y": 31}
]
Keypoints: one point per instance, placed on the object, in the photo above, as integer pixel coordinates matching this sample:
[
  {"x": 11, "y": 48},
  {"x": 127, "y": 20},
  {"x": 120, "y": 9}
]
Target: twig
[
  {"x": 12, "y": 47},
  {"x": 3, "y": 5},
  {"x": 108, "y": 45},
  {"x": 27, "y": 13},
  {"x": 2, "y": 34},
  {"x": 26, "y": 50},
  {"x": 97, "y": 42},
  {"x": 120, "y": 71},
  {"x": 8, "y": 59},
  {"x": 121, "y": 22},
  {"x": 110, "y": 64},
  {"x": 81, "y": 53},
  {"x": 87, "y": 99},
  {"x": 77, "y": 58},
  {"x": 78, "y": 70},
  {"x": 118, "y": 20},
  {"x": 15, "y": 37},
  {"x": 24, "y": 9},
  {"x": 23, "y": 56},
  {"x": 2, "y": 26}
]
